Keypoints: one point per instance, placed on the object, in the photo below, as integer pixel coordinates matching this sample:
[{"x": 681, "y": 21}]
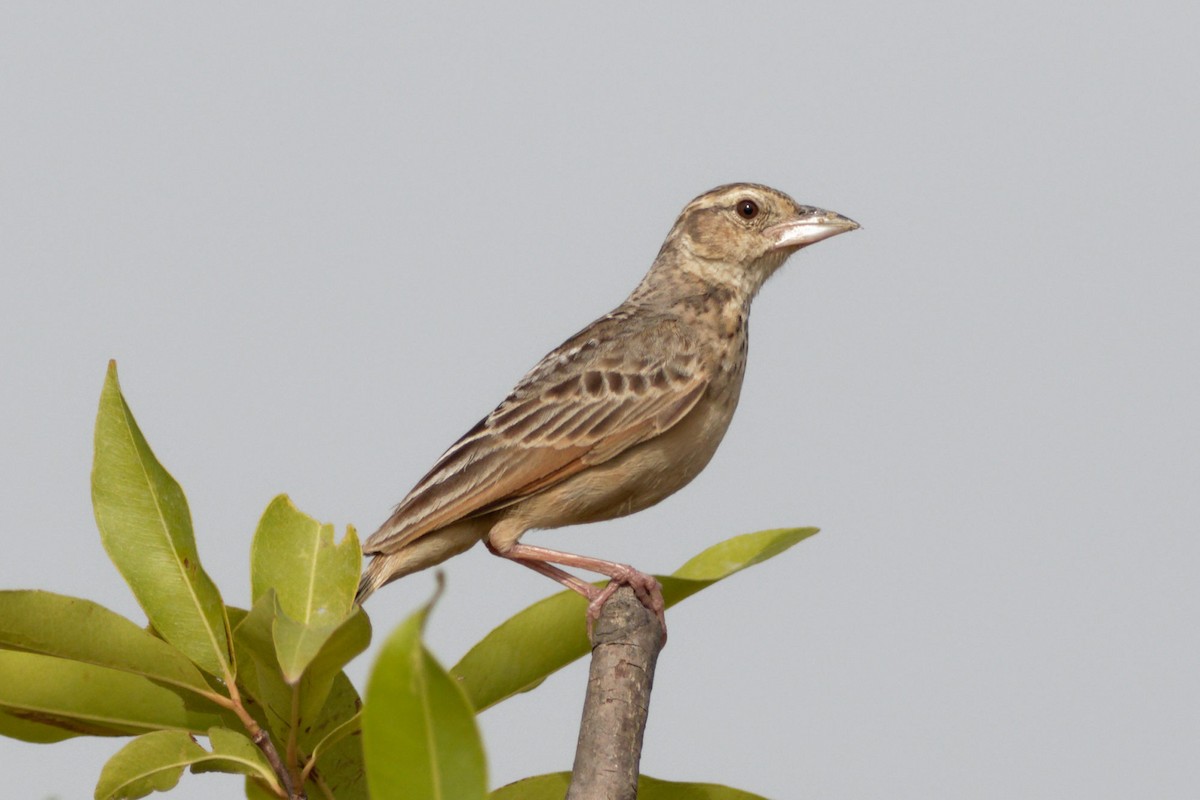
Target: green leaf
[
  {"x": 95, "y": 700},
  {"x": 69, "y": 627},
  {"x": 336, "y": 734},
  {"x": 256, "y": 791},
  {"x": 347, "y": 641},
  {"x": 554, "y": 787},
  {"x": 335, "y": 738},
  {"x": 262, "y": 678},
  {"x": 297, "y": 644},
  {"x": 419, "y": 733},
  {"x": 150, "y": 763},
  {"x": 146, "y": 528},
  {"x": 339, "y": 760},
  {"x": 314, "y": 580},
  {"x": 258, "y": 666},
  {"x": 540, "y": 787},
  {"x": 154, "y": 762},
  {"x": 522, "y": 651},
  {"x": 36, "y": 732},
  {"x": 739, "y": 552},
  {"x": 234, "y": 752}
]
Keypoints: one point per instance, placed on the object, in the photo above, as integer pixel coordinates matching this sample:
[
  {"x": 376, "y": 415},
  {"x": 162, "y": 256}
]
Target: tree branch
[
  {"x": 261, "y": 739},
  {"x": 625, "y": 645}
]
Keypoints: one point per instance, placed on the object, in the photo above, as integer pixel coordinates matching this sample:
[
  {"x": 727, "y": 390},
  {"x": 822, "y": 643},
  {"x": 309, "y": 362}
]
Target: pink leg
[
  {"x": 554, "y": 573},
  {"x": 540, "y": 559}
]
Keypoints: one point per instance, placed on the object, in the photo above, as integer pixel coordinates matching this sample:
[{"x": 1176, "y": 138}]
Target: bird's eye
[{"x": 747, "y": 209}]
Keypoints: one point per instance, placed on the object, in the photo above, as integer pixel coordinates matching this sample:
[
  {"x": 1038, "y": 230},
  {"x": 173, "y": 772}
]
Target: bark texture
[{"x": 626, "y": 641}]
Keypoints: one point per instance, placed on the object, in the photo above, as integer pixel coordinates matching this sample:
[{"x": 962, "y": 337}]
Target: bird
[{"x": 618, "y": 417}]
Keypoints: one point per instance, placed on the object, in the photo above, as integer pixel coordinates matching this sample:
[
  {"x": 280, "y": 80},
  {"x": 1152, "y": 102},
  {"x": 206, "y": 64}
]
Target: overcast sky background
[{"x": 322, "y": 241}]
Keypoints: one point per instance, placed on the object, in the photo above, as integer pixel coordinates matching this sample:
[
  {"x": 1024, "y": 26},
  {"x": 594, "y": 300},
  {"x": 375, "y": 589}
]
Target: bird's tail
[
  {"x": 432, "y": 548},
  {"x": 372, "y": 578}
]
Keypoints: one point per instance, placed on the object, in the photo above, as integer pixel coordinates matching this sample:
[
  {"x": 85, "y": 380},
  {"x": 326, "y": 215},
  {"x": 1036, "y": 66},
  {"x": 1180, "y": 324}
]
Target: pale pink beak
[{"x": 813, "y": 225}]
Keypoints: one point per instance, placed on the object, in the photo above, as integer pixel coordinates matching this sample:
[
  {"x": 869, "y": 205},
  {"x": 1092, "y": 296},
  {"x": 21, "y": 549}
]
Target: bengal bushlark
[{"x": 621, "y": 415}]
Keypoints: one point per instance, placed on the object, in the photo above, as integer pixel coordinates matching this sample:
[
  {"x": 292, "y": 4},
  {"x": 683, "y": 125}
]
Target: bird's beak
[{"x": 813, "y": 225}]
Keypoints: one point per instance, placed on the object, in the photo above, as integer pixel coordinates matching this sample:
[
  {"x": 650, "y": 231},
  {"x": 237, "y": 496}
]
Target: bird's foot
[
  {"x": 646, "y": 587},
  {"x": 543, "y": 560}
]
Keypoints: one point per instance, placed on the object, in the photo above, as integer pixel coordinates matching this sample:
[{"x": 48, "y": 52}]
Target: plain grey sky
[{"x": 322, "y": 240}]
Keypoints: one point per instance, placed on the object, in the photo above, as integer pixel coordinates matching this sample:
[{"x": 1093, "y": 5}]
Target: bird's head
[{"x": 738, "y": 235}]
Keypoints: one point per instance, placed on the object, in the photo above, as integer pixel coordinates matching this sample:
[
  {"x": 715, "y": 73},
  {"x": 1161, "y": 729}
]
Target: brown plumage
[{"x": 618, "y": 417}]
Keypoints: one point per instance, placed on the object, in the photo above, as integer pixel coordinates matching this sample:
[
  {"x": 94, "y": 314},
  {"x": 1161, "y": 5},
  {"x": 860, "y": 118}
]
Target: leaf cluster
[{"x": 265, "y": 686}]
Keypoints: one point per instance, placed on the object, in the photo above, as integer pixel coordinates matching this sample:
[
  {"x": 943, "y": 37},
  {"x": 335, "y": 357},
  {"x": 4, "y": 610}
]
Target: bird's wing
[{"x": 600, "y": 393}]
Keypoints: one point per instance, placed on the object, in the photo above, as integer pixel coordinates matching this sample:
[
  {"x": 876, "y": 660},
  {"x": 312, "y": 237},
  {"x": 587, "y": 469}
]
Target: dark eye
[{"x": 747, "y": 209}]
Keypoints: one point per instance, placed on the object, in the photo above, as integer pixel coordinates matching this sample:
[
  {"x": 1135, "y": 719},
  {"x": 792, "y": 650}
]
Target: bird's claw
[{"x": 645, "y": 587}]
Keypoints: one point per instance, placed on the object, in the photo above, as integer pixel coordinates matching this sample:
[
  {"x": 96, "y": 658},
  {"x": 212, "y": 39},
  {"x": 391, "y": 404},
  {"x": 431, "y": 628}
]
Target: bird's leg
[
  {"x": 554, "y": 573},
  {"x": 596, "y": 597},
  {"x": 541, "y": 559}
]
